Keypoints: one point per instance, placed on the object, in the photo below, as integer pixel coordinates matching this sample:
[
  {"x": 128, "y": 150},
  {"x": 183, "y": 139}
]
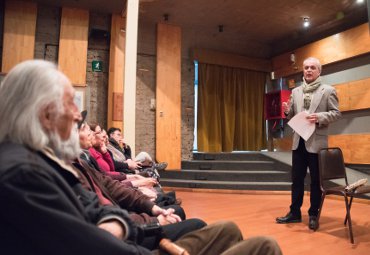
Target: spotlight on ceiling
[
  {"x": 360, "y": 1},
  {"x": 306, "y": 21}
]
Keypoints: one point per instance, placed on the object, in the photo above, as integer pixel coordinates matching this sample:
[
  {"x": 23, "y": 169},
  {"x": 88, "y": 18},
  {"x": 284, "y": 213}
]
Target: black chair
[{"x": 331, "y": 167}]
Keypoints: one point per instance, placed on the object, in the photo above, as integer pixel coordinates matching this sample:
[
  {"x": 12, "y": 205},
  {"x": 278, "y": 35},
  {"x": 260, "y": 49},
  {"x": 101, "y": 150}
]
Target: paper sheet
[{"x": 302, "y": 126}]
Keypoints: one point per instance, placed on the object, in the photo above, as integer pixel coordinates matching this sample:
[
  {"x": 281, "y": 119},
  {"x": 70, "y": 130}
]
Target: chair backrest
[{"x": 331, "y": 164}]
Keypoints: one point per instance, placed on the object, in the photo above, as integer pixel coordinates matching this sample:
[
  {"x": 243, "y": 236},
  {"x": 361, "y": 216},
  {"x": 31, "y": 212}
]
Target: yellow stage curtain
[{"x": 230, "y": 109}]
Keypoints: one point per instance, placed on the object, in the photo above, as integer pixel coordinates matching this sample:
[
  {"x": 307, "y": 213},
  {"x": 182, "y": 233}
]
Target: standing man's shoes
[
  {"x": 313, "y": 223},
  {"x": 289, "y": 218}
]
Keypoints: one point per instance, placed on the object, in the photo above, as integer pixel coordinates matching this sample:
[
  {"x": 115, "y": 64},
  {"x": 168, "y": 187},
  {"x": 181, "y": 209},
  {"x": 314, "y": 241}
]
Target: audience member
[
  {"x": 47, "y": 210},
  {"x": 122, "y": 152}
]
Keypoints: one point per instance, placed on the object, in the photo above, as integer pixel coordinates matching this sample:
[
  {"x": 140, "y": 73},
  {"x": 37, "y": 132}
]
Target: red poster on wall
[{"x": 273, "y": 104}]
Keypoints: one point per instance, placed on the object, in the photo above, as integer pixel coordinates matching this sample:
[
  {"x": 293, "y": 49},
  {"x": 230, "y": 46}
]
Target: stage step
[
  {"x": 233, "y": 185},
  {"x": 363, "y": 168},
  {"x": 227, "y": 175},
  {"x": 240, "y": 170},
  {"x": 227, "y": 164},
  {"x": 230, "y": 156}
]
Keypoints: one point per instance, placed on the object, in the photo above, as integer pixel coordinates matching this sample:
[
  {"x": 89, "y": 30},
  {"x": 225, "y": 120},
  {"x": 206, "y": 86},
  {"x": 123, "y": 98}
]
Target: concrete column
[{"x": 129, "y": 98}]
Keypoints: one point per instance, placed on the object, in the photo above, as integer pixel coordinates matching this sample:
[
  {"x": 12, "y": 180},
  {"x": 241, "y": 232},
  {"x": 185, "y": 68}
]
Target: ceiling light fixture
[
  {"x": 360, "y": 1},
  {"x": 306, "y": 21}
]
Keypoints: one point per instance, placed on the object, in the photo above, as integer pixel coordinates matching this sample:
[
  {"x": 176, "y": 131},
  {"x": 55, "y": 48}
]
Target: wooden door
[{"x": 168, "y": 96}]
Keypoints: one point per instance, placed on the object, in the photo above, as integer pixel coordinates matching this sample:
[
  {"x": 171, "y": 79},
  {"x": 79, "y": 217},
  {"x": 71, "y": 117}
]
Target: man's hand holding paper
[{"x": 303, "y": 124}]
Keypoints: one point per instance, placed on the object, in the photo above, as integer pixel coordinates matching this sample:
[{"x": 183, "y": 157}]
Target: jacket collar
[
  {"x": 316, "y": 99},
  {"x": 50, "y": 154},
  {"x": 113, "y": 142}
]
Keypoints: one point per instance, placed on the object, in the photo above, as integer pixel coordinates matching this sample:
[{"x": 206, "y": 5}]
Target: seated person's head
[
  {"x": 86, "y": 136},
  {"x": 98, "y": 135},
  {"x": 105, "y": 136},
  {"x": 36, "y": 102},
  {"x": 115, "y": 133}
]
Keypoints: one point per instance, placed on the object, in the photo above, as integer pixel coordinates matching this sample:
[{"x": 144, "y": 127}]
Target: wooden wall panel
[
  {"x": 359, "y": 94},
  {"x": 72, "y": 57},
  {"x": 355, "y": 147},
  {"x": 168, "y": 93},
  {"x": 116, "y": 68},
  {"x": 231, "y": 60},
  {"x": 19, "y": 33},
  {"x": 117, "y": 107},
  {"x": 347, "y": 44},
  {"x": 343, "y": 97},
  {"x": 354, "y": 95}
]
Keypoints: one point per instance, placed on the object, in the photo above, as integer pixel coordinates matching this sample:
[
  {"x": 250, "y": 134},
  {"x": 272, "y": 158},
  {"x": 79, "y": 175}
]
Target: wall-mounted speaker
[{"x": 99, "y": 34}]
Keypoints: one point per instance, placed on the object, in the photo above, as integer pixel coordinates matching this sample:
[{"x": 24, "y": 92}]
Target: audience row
[{"x": 67, "y": 190}]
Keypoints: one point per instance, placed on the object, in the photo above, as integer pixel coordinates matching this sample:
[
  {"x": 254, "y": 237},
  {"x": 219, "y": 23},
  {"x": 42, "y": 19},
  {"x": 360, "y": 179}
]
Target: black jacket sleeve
[{"x": 42, "y": 213}]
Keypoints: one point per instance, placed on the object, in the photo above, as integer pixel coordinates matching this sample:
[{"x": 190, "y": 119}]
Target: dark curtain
[{"x": 230, "y": 109}]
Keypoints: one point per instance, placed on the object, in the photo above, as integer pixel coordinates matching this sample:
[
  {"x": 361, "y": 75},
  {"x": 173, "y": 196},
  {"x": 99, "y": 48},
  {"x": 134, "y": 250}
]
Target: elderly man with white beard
[{"x": 44, "y": 209}]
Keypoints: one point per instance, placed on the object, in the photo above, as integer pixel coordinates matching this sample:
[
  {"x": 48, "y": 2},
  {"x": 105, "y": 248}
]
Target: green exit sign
[{"x": 97, "y": 66}]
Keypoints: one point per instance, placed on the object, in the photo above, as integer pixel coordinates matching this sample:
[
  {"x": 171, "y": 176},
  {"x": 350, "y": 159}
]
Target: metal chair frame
[{"x": 331, "y": 167}]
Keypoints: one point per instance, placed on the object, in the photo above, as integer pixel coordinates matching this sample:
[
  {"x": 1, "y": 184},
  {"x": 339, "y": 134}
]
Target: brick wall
[
  {"x": 145, "y": 91},
  {"x": 187, "y": 108},
  {"x": 47, "y": 33},
  {"x": 97, "y": 87},
  {"x": 145, "y": 118},
  {"x": 97, "y": 82}
]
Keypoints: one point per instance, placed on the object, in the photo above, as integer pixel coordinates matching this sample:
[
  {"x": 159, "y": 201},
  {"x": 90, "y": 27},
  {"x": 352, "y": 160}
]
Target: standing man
[{"x": 321, "y": 103}]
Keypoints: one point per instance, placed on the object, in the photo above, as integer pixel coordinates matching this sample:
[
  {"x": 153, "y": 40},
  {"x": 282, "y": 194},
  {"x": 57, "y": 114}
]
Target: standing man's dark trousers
[{"x": 301, "y": 160}]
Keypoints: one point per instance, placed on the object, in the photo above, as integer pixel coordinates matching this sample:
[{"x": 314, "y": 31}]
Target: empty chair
[{"x": 331, "y": 167}]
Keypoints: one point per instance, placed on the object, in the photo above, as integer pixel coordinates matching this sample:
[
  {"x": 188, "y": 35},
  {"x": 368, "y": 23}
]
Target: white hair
[
  {"x": 28, "y": 89},
  {"x": 67, "y": 150},
  {"x": 318, "y": 64}
]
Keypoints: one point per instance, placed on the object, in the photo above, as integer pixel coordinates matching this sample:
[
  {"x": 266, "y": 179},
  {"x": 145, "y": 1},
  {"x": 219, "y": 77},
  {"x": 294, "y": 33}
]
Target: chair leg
[
  {"x": 349, "y": 219},
  {"x": 350, "y": 205},
  {"x": 321, "y": 204}
]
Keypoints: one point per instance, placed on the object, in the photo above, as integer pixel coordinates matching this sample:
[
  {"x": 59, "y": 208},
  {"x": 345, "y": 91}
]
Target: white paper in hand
[{"x": 302, "y": 126}]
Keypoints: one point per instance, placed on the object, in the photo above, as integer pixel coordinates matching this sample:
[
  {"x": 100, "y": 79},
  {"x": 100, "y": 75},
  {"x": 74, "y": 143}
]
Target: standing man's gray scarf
[{"x": 307, "y": 91}]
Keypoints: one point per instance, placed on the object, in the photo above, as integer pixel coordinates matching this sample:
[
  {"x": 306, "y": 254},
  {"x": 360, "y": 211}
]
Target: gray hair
[
  {"x": 315, "y": 60},
  {"x": 28, "y": 89}
]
